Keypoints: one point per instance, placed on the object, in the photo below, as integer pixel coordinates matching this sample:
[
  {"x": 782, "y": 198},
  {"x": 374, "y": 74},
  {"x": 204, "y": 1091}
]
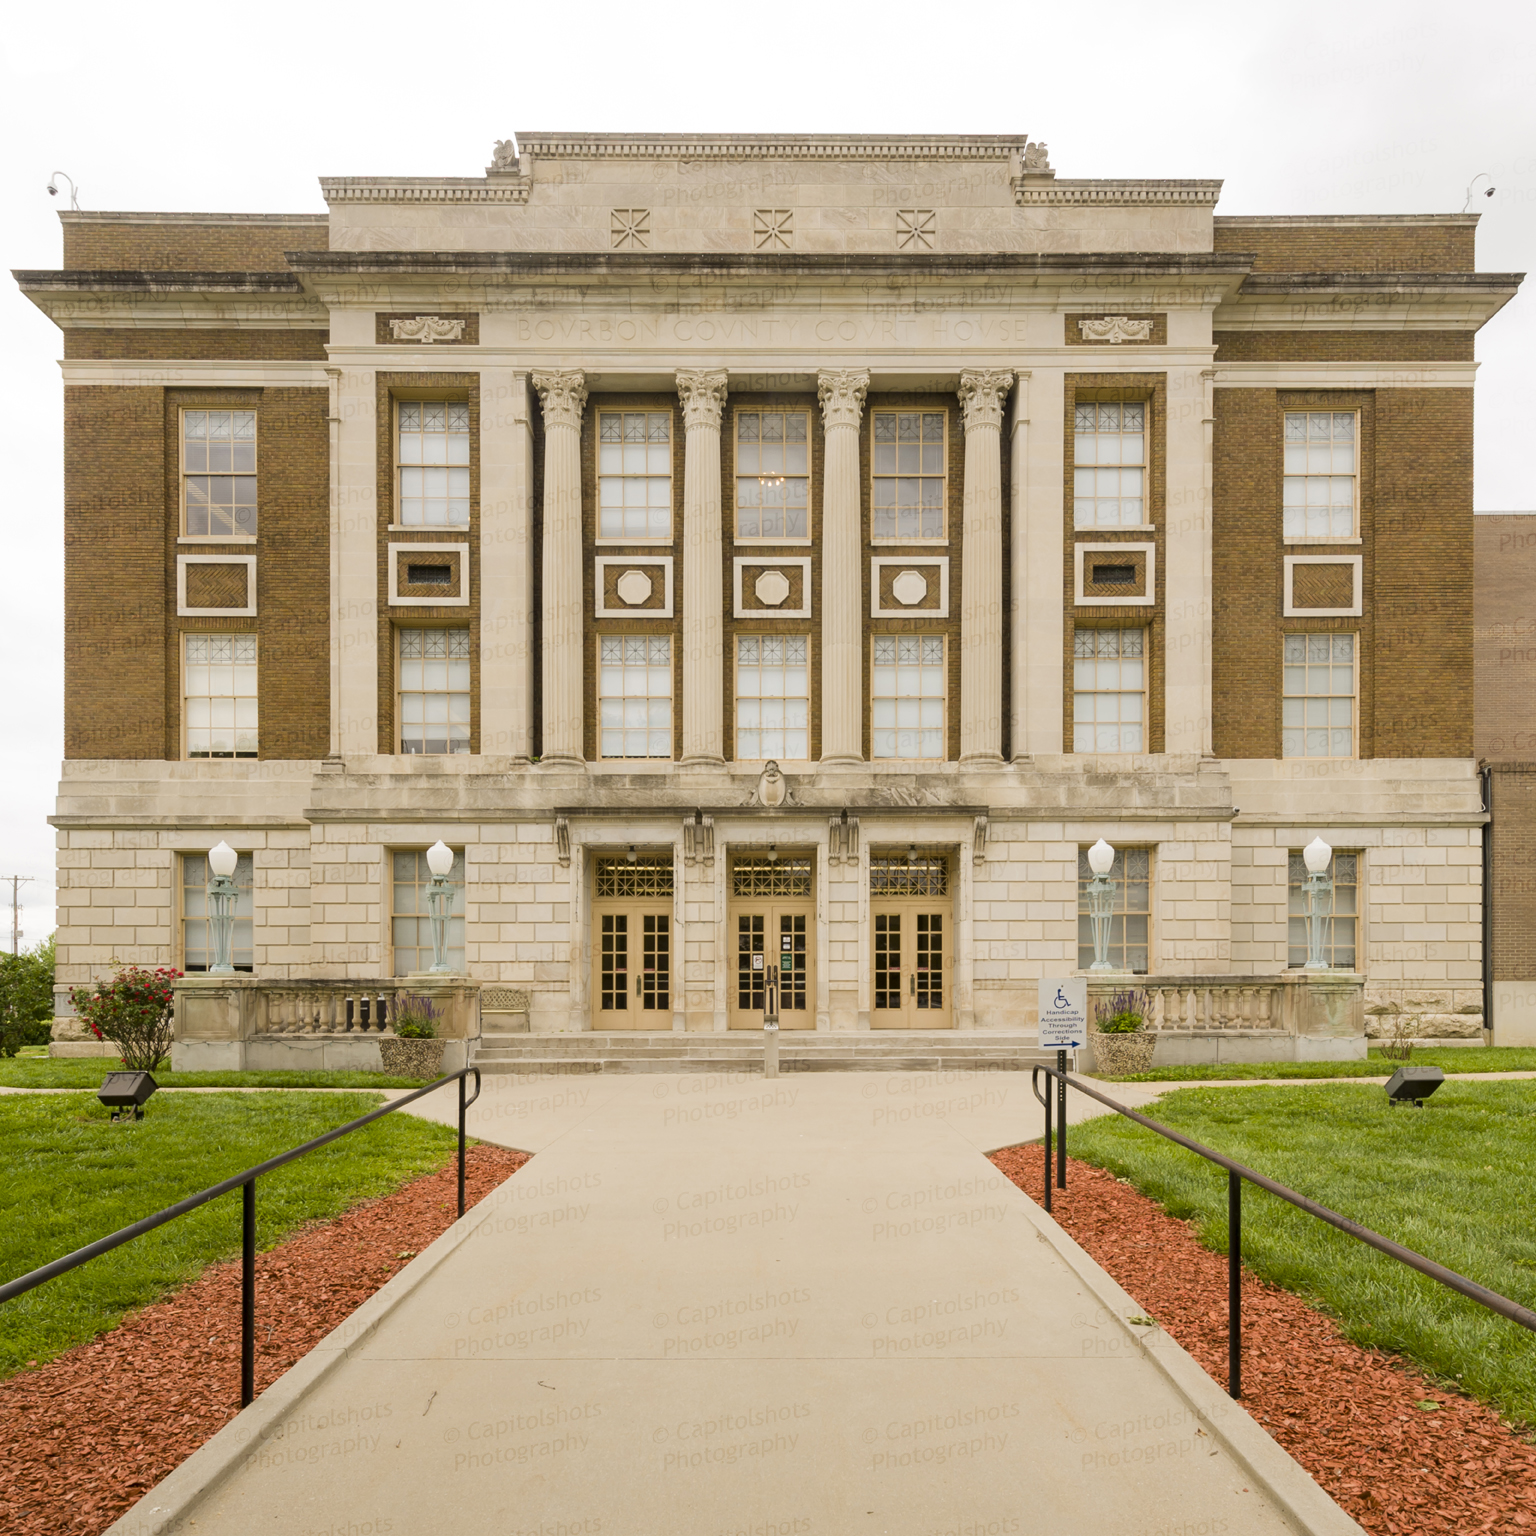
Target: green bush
[
  {"x": 136, "y": 1011},
  {"x": 1121, "y": 1014},
  {"x": 415, "y": 1017},
  {"x": 26, "y": 998}
]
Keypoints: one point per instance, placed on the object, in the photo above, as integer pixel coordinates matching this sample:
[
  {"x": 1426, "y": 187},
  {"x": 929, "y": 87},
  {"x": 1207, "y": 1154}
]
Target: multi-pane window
[
  {"x": 1321, "y": 466},
  {"x": 434, "y": 690},
  {"x": 772, "y": 475},
  {"x": 909, "y": 474},
  {"x": 1130, "y": 916},
  {"x": 634, "y": 475},
  {"x": 196, "y": 937},
  {"x": 218, "y": 472},
  {"x": 1109, "y": 464},
  {"x": 1319, "y": 701},
  {"x": 410, "y": 918},
  {"x": 434, "y": 463},
  {"x": 219, "y": 698},
  {"x": 635, "y": 696},
  {"x": 1339, "y": 933},
  {"x": 773, "y": 697},
  {"x": 907, "y": 697},
  {"x": 1108, "y": 690}
]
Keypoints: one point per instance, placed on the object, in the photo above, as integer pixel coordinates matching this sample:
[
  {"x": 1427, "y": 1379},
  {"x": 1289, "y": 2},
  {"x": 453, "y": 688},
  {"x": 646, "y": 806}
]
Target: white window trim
[
  {"x": 395, "y": 599},
  {"x": 1354, "y": 706},
  {"x": 1146, "y": 601},
  {"x": 788, "y": 541},
  {"x": 184, "y": 612},
  {"x": 1356, "y": 477},
  {"x": 936, "y": 562},
  {"x": 1355, "y": 609},
  {"x": 739, "y": 564},
  {"x": 661, "y": 562},
  {"x": 186, "y": 755},
  {"x": 870, "y": 695},
  {"x": 810, "y": 648},
  {"x": 603, "y": 541},
  {"x": 896, "y": 540}
]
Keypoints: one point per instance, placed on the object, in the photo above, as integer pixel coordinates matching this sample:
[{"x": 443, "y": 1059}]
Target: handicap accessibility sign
[{"x": 1063, "y": 1012}]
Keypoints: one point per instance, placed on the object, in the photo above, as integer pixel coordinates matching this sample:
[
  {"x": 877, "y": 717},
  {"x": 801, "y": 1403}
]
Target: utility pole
[{"x": 17, "y": 881}]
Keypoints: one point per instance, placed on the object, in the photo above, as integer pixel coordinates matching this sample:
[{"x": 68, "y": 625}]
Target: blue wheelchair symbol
[{"x": 1060, "y": 1002}]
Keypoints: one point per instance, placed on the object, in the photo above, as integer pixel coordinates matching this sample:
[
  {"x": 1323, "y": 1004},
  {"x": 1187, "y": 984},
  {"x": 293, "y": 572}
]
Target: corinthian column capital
[
  {"x": 841, "y": 392},
  {"x": 702, "y": 391},
  {"x": 982, "y": 392},
  {"x": 563, "y": 394}
]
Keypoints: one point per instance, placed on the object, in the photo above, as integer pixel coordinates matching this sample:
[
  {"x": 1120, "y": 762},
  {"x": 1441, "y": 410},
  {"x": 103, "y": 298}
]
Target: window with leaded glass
[
  {"x": 634, "y": 702},
  {"x": 772, "y": 875},
  {"x": 1339, "y": 926},
  {"x": 634, "y": 475},
  {"x": 411, "y": 919},
  {"x": 636, "y": 874},
  {"x": 908, "y": 492},
  {"x": 773, "y": 697},
  {"x": 219, "y": 695},
  {"x": 908, "y": 874},
  {"x": 1318, "y": 710},
  {"x": 1321, "y": 473},
  {"x": 196, "y": 937},
  {"x": 434, "y": 691},
  {"x": 434, "y": 463},
  {"x": 773, "y": 468},
  {"x": 1131, "y": 915},
  {"x": 1108, "y": 690},
  {"x": 1109, "y": 464},
  {"x": 907, "y": 697},
  {"x": 218, "y": 473}
]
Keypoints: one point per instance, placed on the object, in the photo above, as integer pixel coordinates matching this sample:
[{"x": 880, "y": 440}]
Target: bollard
[{"x": 770, "y": 1050}]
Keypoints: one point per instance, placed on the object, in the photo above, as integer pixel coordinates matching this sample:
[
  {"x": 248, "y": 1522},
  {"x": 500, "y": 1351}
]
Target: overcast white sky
[{"x": 1344, "y": 108}]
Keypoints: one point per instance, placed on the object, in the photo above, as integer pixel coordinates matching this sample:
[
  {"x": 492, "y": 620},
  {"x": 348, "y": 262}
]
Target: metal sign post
[
  {"x": 770, "y": 1021},
  {"x": 1063, "y": 1014}
]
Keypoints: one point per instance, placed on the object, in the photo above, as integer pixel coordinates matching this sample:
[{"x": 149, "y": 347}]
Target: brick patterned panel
[
  {"x": 794, "y": 574},
  {"x": 1345, "y": 248},
  {"x": 188, "y": 247},
  {"x": 1343, "y": 346},
  {"x": 655, "y": 574},
  {"x": 1136, "y": 587},
  {"x": 404, "y": 560},
  {"x": 930, "y": 601},
  {"x": 1322, "y": 586},
  {"x": 1075, "y": 337},
  {"x": 290, "y": 346},
  {"x": 384, "y": 337},
  {"x": 1504, "y": 645},
  {"x": 216, "y": 586}
]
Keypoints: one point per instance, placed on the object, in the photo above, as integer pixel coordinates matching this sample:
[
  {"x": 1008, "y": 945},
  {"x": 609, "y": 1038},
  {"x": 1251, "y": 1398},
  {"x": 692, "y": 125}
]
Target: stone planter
[
  {"x": 1123, "y": 1055},
  {"x": 411, "y": 1058}
]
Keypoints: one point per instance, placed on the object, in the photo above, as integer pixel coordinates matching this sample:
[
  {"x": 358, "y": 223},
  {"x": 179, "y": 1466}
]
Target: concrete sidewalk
[{"x": 725, "y": 1305}]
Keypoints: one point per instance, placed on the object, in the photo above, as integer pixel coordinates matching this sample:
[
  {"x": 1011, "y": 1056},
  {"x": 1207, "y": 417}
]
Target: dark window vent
[
  {"x": 438, "y": 575},
  {"x": 1103, "y": 575}
]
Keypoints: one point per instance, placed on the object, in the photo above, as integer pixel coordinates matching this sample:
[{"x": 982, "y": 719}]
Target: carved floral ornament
[
  {"x": 703, "y": 392},
  {"x": 1115, "y": 329},
  {"x": 841, "y": 392},
  {"x": 982, "y": 392},
  {"x": 563, "y": 394},
  {"x": 427, "y": 328}
]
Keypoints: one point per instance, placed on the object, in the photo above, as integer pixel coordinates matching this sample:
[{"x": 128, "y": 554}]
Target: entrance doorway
[
  {"x": 772, "y": 918},
  {"x": 912, "y": 931},
  {"x": 632, "y": 942}
]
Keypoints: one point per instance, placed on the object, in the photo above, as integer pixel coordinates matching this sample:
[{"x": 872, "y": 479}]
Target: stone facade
[{"x": 847, "y": 283}]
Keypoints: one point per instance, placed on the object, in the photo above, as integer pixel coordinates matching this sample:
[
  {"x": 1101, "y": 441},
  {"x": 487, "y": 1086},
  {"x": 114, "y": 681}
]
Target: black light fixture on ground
[
  {"x": 125, "y": 1094},
  {"x": 1412, "y": 1085}
]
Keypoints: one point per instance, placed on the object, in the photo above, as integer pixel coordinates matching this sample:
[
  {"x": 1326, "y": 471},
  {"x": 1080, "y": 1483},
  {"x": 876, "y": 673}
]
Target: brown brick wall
[
  {"x": 270, "y": 346},
  {"x": 114, "y": 572},
  {"x": 1512, "y": 922},
  {"x": 1504, "y": 640},
  {"x": 178, "y": 247},
  {"x": 1323, "y": 586},
  {"x": 1343, "y": 346},
  {"x": 216, "y": 586},
  {"x": 425, "y": 386},
  {"x": 1349, "y": 248}
]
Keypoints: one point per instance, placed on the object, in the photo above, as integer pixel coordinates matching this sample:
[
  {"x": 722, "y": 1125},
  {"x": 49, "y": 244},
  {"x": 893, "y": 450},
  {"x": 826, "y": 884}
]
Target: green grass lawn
[
  {"x": 1449, "y": 1058},
  {"x": 1451, "y": 1181},
  {"x": 87, "y": 1072},
  {"x": 72, "y": 1176}
]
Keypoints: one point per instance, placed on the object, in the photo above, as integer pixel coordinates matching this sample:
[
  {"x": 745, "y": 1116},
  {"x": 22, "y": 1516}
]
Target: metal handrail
[
  {"x": 246, "y": 1183},
  {"x": 1236, "y": 1173}
]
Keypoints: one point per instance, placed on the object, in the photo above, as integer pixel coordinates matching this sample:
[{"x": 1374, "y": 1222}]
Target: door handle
[
  {"x": 639, "y": 980},
  {"x": 912, "y": 979}
]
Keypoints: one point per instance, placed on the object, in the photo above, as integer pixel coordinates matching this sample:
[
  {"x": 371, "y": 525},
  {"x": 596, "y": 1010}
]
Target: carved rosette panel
[
  {"x": 563, "y": 394},
  {"x": 982, "y": 393},
  {"x": 427, "y": 328},
  {"x": 1115, "y": 329},
  {"x": 703, "y": 392},
  {"x": 841, "y": 392}
]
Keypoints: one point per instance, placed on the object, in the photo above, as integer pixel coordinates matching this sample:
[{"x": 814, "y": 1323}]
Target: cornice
[
  {"x": 426, "y": 189},
  {"x": 207, "y": 220},
  {"x": 1051, "y": 192},
  {"x": 114, "y": 280},
  {"x": 763, "y": 146}
]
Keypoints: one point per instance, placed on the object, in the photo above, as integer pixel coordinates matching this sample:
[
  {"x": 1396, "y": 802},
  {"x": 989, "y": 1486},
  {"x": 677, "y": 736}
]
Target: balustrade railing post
[
  {"x": 247, "y": 1293},
  {"x": 1234, "y": 1284}
]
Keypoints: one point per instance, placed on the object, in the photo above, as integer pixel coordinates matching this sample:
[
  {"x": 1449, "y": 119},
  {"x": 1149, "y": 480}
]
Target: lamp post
[
  {"x": 440, "y": 862},
  {"x": 1319, "y": 889},
  {"x": 222, "y": 896},
  {"x": 1101, "y": 902}
]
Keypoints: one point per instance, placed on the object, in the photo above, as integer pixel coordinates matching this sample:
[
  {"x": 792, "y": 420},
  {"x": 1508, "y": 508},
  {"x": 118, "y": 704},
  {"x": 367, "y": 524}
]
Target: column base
[
  {"x": 701, "y": 760},
  {"x": 564, "y": 763},
  {"x": 981, "y": 759},
  {"x": 841, "y": 762}
]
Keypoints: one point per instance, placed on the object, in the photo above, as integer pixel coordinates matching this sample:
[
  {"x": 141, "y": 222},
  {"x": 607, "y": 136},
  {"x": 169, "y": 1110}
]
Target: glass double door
[
  {"x": 774, "y": 934},
  {"x": 632, "y": 965},
  {"x": 911, "y": 970}
]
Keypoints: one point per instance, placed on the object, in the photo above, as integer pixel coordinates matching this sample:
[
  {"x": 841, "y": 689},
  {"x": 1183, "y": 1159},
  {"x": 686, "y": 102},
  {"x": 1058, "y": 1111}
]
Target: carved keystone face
[
  {"x": 772, "y": 587},
  {"x": 633, "y": 587},
  {"x": 909, "y": 587}
]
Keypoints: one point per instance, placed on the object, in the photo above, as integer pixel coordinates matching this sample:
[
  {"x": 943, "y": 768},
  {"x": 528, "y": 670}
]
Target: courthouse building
[{"x": 800, "y": 546}]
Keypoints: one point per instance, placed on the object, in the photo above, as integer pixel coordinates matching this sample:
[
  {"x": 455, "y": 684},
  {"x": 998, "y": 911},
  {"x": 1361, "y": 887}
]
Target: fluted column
[
  {"x": 841, "y": 392},
  {"x": 563, "y": 394},
  {"x": 702, "y": 391},
  {"x": 982, "y": 393}
]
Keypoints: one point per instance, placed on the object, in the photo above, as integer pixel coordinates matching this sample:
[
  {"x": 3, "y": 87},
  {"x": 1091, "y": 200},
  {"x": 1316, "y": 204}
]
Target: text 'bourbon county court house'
[{"x": 801, "y": 546}]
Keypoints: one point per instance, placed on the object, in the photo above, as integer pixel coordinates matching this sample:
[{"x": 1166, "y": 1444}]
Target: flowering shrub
[
  {"x": 1122, "y": 1013},
  {"x": 135, "y": 1011},
  {"x": 415, "y": 1017}
]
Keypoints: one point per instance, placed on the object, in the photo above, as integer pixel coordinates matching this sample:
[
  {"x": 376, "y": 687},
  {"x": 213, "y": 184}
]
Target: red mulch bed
[
  {"x": 1347, "y": 1414},
  {"x": 91, "y": 1432}
]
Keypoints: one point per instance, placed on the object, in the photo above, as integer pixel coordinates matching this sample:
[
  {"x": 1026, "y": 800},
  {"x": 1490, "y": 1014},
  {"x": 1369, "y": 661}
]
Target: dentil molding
[
  {"x": 841, "y": 392},
  {"x": 982, "y": 393},
  {"x": 563, "y": 394},
  {"x": 703, "y": 392}
]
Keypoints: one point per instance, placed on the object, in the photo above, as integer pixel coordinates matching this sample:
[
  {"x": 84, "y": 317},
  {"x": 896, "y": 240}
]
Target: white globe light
[
  {"x": 440, "y": 858},
  {"x": 1317, "y": 854},
  {"x": 222, "y": 859},
  {"x": 1101, "y": 858}
]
